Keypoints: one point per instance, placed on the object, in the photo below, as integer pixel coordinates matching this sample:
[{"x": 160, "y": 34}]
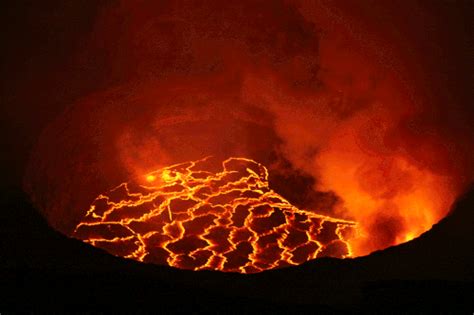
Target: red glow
[{"x": 313, "y": 84}]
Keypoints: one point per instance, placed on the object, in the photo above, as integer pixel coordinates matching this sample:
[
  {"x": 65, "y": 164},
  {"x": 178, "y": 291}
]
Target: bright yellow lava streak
[{"x": 197, "y": 217}]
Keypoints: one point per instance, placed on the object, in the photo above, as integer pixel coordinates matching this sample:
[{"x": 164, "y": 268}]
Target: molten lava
[{"x": 205, "y": 215}]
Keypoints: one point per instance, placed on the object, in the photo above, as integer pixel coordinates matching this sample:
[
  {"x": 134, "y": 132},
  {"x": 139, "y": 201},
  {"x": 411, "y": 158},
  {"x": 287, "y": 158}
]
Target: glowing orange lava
[{"x": 199, "y": 215}]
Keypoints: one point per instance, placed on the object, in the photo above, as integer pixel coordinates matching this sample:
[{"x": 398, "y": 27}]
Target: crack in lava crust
[{"x": 191, "y": 217}]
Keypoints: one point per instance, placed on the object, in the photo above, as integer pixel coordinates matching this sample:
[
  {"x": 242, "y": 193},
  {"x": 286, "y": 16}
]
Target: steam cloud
[{"x": 301, "y": 83}]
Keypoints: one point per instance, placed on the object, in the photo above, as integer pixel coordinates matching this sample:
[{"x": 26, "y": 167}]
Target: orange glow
[
  {"x": 392, "y": 198},
  {"x": 345, "y": 115},
  {"x": 150, "y": 178},
  {"x": 202, "y": 217}
]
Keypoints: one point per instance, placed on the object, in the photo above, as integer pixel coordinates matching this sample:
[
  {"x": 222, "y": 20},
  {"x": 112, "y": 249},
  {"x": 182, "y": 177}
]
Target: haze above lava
[{"x": 333, "y": 105}]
